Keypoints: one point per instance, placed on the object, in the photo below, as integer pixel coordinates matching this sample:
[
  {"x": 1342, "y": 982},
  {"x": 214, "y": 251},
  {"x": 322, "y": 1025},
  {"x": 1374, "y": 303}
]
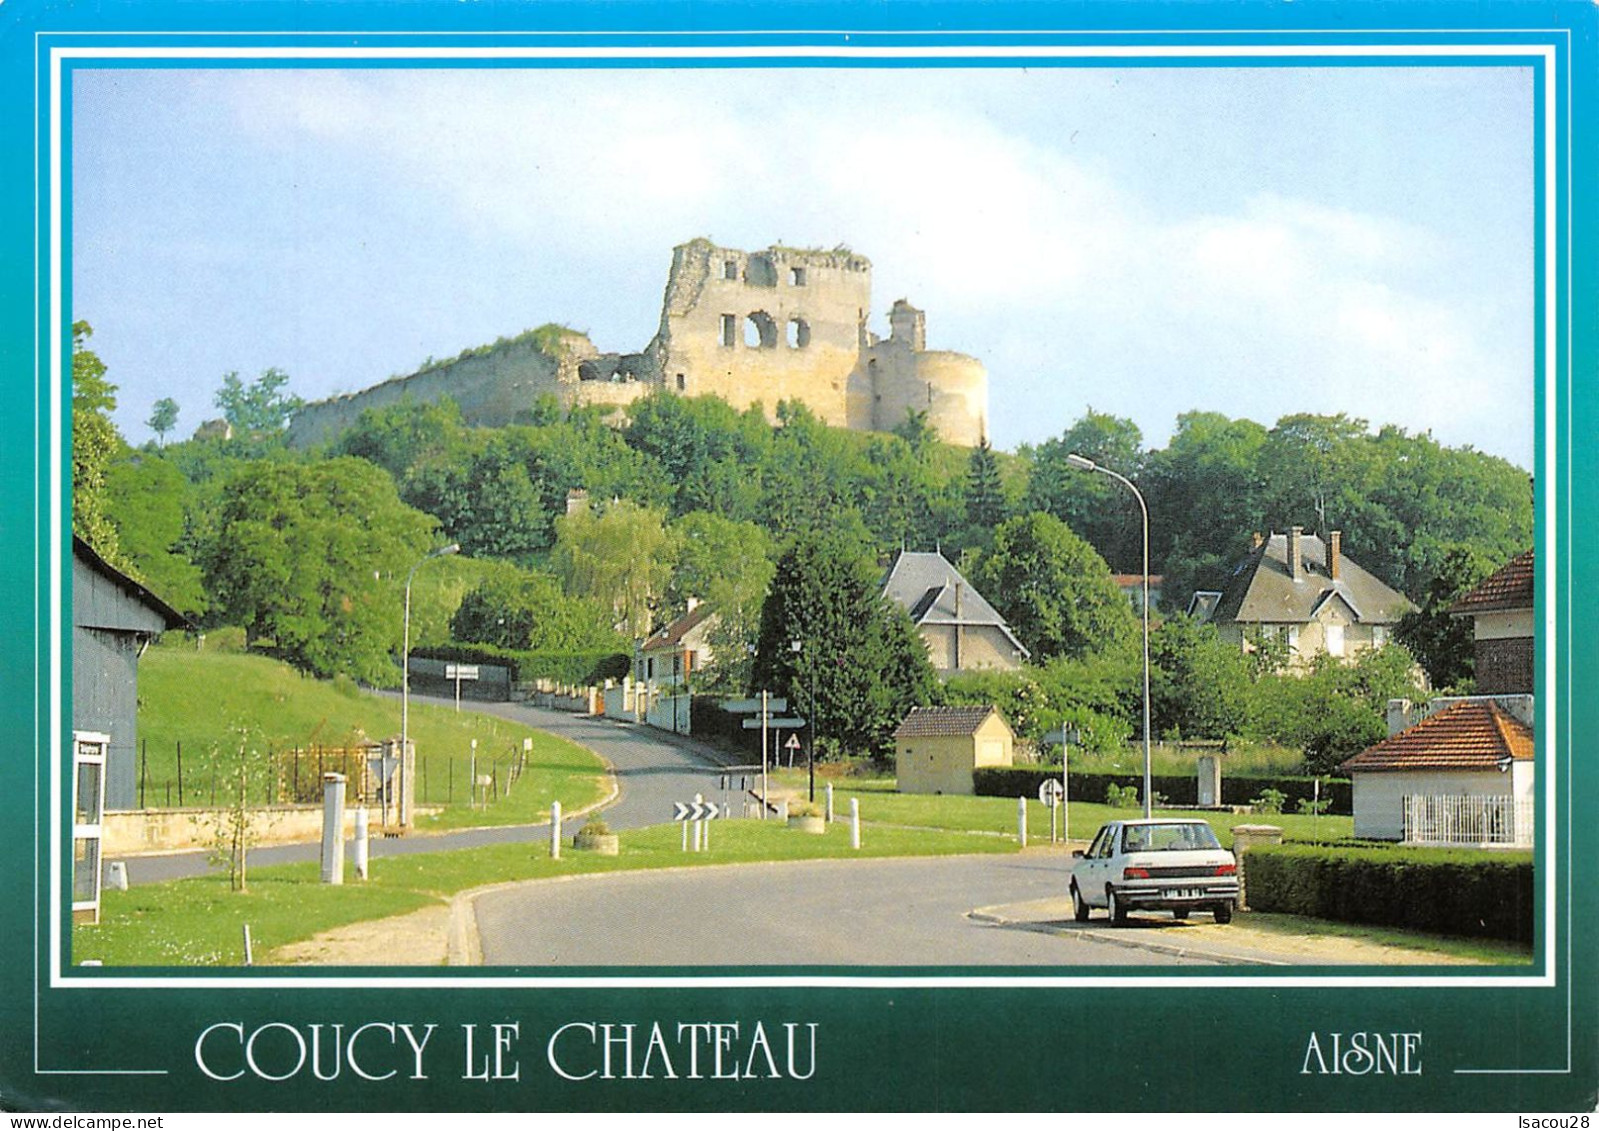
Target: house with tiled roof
[
  {"x": 664, "y": 667},
  {"x": 1462, "y": 775},
  {"x": 962, "y": 630},
  {"x": 1302, "y": 590},
  {"x": 1501, "y": 609},
  {"x": 937, "y": 748}
]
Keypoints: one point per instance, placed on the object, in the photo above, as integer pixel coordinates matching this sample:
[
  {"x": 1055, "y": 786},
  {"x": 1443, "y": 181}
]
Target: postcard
[{"x": 799, "y": 557}]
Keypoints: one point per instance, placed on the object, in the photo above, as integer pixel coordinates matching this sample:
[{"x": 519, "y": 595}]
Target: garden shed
[{"x": 937, "y": 748}]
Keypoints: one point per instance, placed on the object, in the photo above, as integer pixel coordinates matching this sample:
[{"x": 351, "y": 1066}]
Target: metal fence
[
  {"x": 296, "y": 777},
  {"x": 1468, "y": 819}
]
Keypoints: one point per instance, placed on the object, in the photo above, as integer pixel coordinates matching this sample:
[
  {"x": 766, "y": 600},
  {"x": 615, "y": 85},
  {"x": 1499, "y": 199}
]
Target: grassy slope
[{"x": 199, "y": 698}]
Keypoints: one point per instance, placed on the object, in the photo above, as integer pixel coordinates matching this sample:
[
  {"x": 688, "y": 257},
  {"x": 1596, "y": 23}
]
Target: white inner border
[{"x": 1553, "y": 131}]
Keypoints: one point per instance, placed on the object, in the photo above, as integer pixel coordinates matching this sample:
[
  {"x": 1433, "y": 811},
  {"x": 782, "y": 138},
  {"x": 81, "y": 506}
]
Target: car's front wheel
[
  {"x": 1223, "y": 913},
  {"x": 1079, "y": 905},
  {"x": 1118, "y": 910}
]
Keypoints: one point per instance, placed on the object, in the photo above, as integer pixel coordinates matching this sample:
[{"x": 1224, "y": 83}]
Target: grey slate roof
[
  {"x": 925, "y": 722},
  {"x": 926, "y": 586},
  {"x": 1261, "y": 592}
]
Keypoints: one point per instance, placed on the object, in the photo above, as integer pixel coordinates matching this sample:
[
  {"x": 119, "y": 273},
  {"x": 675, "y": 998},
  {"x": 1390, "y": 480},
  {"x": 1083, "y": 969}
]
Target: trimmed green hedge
[
  {"x": 1023, "y": 781},
  {"x": 563, "y": 667},
  {"x": 1450, "y": 891}
]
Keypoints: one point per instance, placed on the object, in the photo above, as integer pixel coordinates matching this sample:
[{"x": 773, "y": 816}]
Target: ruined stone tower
[{"x": 754, "y": 327}]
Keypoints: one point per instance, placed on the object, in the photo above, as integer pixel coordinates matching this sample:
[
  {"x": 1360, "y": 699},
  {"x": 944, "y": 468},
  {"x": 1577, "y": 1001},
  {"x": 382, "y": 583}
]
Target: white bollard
[
  {"x": 830, "y": 803},
  {"x": 362, "y": 832},
  {"x": 854, "y": 822},
  {"x": 116, "y": 875},
  {"x": 555, "y": 830},
  {"x": 333, "y": 828},
  {"x": 1021, "y": 820}
]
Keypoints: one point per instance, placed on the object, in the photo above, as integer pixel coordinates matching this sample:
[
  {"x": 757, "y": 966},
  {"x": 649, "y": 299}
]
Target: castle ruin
[{"x": 754, "y": 327}]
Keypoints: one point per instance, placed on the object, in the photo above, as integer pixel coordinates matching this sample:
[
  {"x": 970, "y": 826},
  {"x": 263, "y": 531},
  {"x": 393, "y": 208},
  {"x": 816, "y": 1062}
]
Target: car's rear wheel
[
  {"x": 1179, "y": 913},
  {"x": 1223, "y": 912},
  {"x": 1118, "y": 910},
  {"x": 1079, "y": 905}
]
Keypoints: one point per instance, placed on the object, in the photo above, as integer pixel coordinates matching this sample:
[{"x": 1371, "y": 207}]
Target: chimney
[
  {"x": 693, "y": 603},
  {"x": 1334, "y": 553},
  {"x": 1296, "y": 563},
  {"x": 1256, "y": 541}
]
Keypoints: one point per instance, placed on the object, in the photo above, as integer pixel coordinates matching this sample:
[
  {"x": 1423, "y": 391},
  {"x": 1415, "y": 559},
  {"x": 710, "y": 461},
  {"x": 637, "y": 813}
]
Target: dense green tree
[
  {"x": 528, "y": 610},
  {"x": 148, "y": 501},
  {"x": 1199, "y": 687},
  {"x": 1444, "y": 644},
  {"x": 312, "y": 557},
  {"x": 484, "y": 501},
  {"x": 1095, "y": 506},
  {"x": 984, "y": 494},
  {"x": 1054, "y": 590},
  {"x": 710, "y": 453},
  {"x": 1334, "y": 710},
  {"x": 860, "y": 665},
  {"x": 261, "y": 407},
  {"x": 163, "y": 418},
  {"x": 95, "y": 444},
  {"x": 402, "y": 437},
  {"x": 621, "y": 557}
]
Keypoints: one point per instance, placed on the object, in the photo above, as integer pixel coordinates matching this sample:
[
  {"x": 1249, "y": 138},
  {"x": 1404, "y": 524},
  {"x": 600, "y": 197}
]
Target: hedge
[
  {"x": 563, "y": 667},
  {"x": 1449, "y": 891},
  {"x": 1023, "y": 781}
]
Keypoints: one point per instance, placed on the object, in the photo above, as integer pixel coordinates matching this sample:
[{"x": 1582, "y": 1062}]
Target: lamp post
[
  {"x": 405, "y": 653},
  {"x": 1083, "y": 463}
]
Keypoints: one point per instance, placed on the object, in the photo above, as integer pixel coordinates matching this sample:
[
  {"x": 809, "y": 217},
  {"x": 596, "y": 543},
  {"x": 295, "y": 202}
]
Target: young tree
[
  {"x": 163, "y": 418},
  {"x": 242, "y": 771},
  {"x": 1053, "y": 589}
]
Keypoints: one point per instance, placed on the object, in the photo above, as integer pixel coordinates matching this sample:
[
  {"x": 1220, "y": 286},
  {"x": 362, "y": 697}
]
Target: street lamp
[
  {"x": 405, "y": 653},
  {"x": 1083, "y": 463}
]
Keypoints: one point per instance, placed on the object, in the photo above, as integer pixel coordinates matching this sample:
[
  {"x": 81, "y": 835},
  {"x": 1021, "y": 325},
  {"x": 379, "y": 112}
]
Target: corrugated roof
[
  {"x": 929, "y": 588},
  {"x": 1509, "y": 587},
  {"x": 1261, "y": 592},
  {"x": 672, "y": 635},
  {"x": 1471, "y": 735},
  {"x": 924, "y": 722}
]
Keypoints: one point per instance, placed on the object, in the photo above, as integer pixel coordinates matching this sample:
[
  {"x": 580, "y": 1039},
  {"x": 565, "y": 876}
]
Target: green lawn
[
  {"x": 199, "y": 922},
  {"x": 881, "y": 804},
  {"x": 196, "y": 700}
]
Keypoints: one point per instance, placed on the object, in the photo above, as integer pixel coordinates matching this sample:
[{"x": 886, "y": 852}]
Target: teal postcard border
[{"x": 83, "y": 1039}]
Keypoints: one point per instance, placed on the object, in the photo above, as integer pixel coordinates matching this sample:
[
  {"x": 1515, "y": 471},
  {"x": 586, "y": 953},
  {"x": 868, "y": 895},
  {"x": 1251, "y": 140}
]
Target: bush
[
  {"x": 1450, "y": 891},
  {"x": 1121, "y": 796},
  {"x": 1183, "y": 790},
  {"x": 804, "y": 809},
  {"x": 1269, "y": 801},
  {"x": 592, "y": 828}
]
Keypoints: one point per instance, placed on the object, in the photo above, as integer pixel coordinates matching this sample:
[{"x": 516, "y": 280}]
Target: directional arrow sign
[
  {"x": 1049, "y": 791},
  {"x": 745, "y": 706},
  {"x": 694, "y": 811},
  {"x": 775, "y": 724}
]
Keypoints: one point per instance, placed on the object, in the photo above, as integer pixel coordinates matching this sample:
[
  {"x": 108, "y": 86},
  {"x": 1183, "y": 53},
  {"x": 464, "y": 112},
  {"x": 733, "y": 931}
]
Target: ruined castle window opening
[
  {"x": 799, "y": 333},
  {"x": 760, "y": 331},
  {"x": 730, "y": 269},
  {"x": 796, "y": 276},
  {"x": 682, "y": 382},
  {"x": 730, "y": 329}
]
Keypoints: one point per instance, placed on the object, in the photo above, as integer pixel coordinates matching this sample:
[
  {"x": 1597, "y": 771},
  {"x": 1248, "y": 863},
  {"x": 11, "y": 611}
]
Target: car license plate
[{"x": 1181, "y": 893}]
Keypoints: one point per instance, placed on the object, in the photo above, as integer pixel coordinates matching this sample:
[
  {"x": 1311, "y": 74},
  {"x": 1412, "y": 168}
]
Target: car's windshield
[{"x": 1168, "y": 838}]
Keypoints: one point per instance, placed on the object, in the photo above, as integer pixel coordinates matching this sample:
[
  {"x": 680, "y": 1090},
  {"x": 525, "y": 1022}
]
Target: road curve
[
  {"x": 886, "y": 913},
  {"x": 653, "y": 769}
]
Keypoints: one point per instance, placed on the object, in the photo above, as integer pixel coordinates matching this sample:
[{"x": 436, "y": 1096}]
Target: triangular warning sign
[{"x": 793, "y": 742}]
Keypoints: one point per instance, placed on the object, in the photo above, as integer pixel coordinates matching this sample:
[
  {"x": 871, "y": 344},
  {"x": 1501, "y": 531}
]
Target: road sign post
[
  {"x": 1050, "y": 792},
  {"x": 697, "y": 813}
]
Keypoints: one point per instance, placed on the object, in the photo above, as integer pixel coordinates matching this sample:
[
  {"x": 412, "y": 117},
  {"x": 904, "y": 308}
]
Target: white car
[{"x": 1162, "y": 863}]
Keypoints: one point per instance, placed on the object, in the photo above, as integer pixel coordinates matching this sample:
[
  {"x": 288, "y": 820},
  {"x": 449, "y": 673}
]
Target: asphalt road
[
  {"x": 891, "y": 913},
  {"x": 652, "y": 769}
]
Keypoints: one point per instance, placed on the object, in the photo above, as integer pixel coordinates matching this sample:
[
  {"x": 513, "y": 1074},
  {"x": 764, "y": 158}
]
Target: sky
[{"x": 1142, "y": 241}]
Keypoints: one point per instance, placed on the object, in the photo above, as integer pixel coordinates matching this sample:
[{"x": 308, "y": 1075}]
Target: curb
[{"x": 988, "y": 915}]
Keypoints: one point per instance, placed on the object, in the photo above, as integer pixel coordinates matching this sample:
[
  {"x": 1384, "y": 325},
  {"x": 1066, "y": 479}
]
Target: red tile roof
[
  {"x": 1511, "y": 587},
  {"x": 1473, "y": 735},
  {"x": 923, "y": 722}
]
